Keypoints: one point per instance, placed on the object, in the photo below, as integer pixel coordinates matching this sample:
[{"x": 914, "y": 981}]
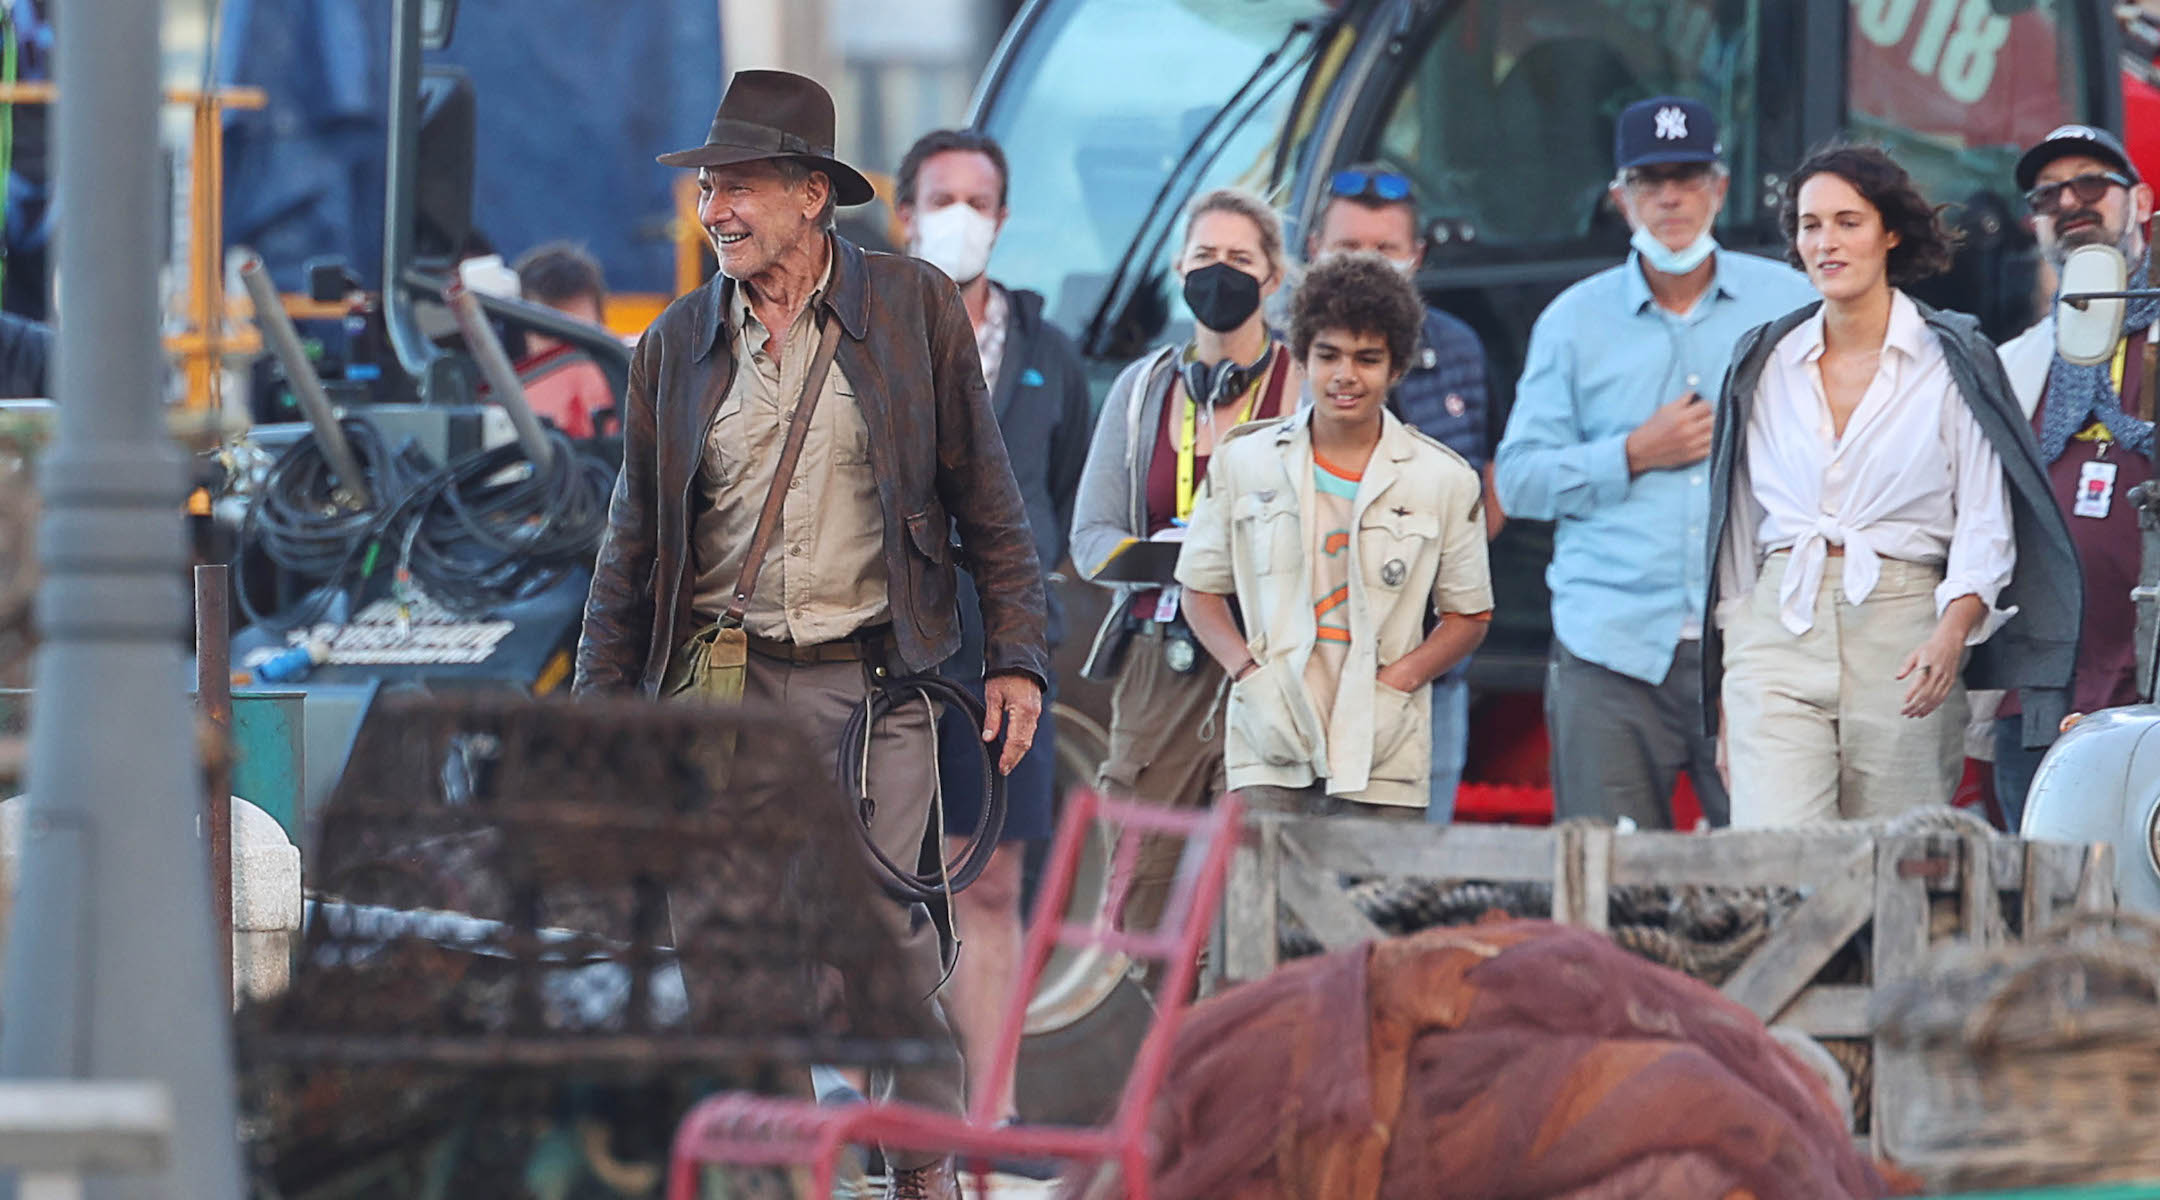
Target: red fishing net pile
[{"x": 1513, "y": 1059}]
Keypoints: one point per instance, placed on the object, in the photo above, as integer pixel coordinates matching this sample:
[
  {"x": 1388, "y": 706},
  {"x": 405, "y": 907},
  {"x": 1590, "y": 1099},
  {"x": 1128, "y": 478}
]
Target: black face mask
[{"x": 1221, "y": 296}]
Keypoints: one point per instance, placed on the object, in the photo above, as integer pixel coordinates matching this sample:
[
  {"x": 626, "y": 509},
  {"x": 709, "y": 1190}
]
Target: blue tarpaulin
[{"x": 574, "y": 100}]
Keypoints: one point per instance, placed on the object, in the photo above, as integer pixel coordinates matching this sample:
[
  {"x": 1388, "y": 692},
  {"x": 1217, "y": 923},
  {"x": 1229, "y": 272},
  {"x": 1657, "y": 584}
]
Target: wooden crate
[{"x": 1912, "y": 889}]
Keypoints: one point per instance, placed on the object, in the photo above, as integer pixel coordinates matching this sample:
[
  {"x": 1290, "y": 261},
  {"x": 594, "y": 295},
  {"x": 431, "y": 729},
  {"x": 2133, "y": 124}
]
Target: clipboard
[{"x": 1141, "y": 560}]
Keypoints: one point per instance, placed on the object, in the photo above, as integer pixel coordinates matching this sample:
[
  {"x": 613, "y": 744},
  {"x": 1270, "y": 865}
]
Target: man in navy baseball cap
[
  {"x": 1665, "y": 129},
  {"x": 1612, "y": 421}
]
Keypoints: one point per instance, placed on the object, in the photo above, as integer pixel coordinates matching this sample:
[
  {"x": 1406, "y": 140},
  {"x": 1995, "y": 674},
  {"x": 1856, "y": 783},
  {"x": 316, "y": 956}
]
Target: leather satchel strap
[{"x": 813, "y": 385}]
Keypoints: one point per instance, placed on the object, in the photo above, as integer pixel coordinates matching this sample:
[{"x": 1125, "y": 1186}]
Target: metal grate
[{"x": 512, "y": 903}]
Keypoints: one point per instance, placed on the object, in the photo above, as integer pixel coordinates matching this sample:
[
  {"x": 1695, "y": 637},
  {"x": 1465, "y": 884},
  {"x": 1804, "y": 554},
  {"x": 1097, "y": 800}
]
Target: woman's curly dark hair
[
  {"x": 1358, "y": 293},
  {"x": 1925, "y": 245}
]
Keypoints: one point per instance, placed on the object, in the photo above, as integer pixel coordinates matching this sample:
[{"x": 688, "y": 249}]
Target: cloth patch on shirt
[
  {"x": 1334, "y": 506},
  {"x": 2095, "y": 489},
  {"x": 1334, "y": 495}
]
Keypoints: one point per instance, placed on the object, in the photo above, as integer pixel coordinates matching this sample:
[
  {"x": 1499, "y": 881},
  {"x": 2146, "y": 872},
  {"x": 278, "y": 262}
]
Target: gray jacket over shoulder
[
  {"x": 2036, "y": 651},
  {"x": 1112, "y": 504}
]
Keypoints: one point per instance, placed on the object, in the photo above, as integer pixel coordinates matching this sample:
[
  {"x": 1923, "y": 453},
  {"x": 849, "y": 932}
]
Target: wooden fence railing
[{"x": 1912, "y": 890}]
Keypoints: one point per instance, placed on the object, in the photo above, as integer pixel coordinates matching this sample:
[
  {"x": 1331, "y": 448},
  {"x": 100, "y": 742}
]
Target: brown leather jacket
[{"x": 934, "y": 445}]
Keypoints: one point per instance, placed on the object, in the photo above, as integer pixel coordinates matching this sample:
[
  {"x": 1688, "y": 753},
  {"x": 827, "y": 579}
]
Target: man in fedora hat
[{"x": 825, "y": 407}]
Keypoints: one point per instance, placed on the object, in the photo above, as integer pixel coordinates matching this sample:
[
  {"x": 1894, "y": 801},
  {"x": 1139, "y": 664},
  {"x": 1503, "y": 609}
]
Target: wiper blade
[{"x": 1112, "y": 297}]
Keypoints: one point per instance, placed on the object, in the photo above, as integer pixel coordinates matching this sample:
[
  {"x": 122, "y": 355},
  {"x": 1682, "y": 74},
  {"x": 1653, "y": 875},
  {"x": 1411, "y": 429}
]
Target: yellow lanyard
[
  {"x": 2098, "y": 430},
  {"x": 1189, "y": 439}
]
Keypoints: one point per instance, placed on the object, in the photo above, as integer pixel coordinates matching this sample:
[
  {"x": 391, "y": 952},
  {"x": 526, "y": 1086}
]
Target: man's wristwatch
[{"x": 1251, "y": 665}]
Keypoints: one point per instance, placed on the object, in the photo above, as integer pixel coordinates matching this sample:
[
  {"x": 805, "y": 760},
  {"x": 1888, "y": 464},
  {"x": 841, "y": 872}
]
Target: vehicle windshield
[
  {"x": 1501, "y": 75},
  {"x": 1957, "y": 93},
  {"x": 1101, "y": 101}
]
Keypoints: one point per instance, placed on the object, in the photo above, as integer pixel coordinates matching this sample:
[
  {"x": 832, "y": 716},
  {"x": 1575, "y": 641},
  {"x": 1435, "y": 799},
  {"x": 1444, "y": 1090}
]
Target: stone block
[{"x": 266, "y": 892}]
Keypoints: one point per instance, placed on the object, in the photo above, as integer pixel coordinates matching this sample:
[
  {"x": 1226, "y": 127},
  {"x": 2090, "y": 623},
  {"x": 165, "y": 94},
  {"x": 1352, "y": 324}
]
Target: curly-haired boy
[{"x": 1338, "y": 531}]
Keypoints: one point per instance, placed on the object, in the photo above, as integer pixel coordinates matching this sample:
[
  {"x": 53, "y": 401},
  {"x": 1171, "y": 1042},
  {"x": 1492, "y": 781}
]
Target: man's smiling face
[
  {"x": 1349, "y": 373},
  {"x": 754, "y": 216}
]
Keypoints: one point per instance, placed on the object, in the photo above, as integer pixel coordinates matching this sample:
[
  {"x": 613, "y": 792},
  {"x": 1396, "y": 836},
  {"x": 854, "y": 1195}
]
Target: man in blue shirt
[
  {"x": 1610, "y": 428},
  {"x": 1372, "y": 209}
]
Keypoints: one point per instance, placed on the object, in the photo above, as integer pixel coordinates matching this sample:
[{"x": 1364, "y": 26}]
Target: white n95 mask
[{"x": 955, "y": 239}]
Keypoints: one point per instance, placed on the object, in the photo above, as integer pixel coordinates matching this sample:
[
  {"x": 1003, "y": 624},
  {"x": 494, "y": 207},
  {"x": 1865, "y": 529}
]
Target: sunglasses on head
[
  {"x": 2088, "y": 188},
  {"x": 1387, "y": 185}
]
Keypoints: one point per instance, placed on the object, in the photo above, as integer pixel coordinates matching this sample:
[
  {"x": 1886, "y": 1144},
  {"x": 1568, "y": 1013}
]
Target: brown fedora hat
[{"x": 775, "y": 114}]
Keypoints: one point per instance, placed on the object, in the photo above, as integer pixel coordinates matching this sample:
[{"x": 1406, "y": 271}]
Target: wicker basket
[{"x": 2030, "y": 1065}]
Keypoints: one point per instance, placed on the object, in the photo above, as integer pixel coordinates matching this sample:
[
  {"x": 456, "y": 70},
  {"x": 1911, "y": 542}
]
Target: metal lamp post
[{"x": 111, "y": 966}]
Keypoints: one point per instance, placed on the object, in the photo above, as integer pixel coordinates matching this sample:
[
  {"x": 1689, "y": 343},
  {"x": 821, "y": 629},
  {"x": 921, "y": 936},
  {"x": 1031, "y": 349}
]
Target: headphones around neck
[{"x": 1215, "y": 383}]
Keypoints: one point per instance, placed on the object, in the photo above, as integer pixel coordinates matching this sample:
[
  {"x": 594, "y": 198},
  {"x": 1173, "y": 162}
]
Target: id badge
[
  {"x": 1166, "y": 603},
  {"x": 2095, "y": 489}
]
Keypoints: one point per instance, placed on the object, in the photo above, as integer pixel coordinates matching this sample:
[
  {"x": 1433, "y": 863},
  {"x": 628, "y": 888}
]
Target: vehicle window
[
  {"x": 1936, "y": 82},
  {"x": 1098, "y": 107},
  {"x": 1506, "y": 123}
]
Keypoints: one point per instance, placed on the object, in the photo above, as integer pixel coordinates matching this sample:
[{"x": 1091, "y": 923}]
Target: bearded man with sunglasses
[
  {"x": 1611, "y": 425},
  {"x": 2095, "y": 431}
]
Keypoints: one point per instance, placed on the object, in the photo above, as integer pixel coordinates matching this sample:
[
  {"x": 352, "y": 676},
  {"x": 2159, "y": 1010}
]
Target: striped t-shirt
[{"x": 1334, "y": 498}]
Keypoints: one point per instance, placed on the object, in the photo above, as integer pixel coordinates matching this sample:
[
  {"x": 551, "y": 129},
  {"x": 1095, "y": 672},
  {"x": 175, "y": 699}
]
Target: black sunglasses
[
  {"x": 1387, "y": 185},
  {"x": 2088, "y": 188}
]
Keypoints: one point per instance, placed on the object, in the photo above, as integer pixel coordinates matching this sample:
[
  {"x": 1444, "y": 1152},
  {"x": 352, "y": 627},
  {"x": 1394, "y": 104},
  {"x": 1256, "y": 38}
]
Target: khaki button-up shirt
[
  {"x": 1417, "y": 544},
  {"x": 824, "y": 575}
]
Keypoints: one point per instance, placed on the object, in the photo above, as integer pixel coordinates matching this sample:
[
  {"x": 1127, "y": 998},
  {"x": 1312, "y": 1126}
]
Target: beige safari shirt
[
  {"x": 824, "y": 575},
  {"x": 1417, "y": 544}
]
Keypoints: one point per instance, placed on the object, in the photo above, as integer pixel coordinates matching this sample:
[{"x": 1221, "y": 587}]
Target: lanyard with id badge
[
  {"x": 1181, "y": 652},
  {"x": 2095, "y": 495}
]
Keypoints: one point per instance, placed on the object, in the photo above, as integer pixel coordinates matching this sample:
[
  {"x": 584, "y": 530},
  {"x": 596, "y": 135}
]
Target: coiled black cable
[
  {"x": 482, "y": 536},
  {"x": 906, "y": 884},
  {"x": 474, "y": 534},
  {"x": 302, "y": 523}
]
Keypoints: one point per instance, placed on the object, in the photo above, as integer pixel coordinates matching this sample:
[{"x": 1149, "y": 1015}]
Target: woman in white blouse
[{"x": 1868, "y": 533}]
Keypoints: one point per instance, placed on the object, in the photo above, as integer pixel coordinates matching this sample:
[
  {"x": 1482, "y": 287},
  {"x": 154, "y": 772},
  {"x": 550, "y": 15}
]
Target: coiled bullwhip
[{"x": 905, "y": 883}]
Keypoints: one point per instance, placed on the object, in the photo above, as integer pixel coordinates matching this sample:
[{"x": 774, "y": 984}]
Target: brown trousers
[
  {"x": 1166, "y": 747},
  {"x": 903, "y": 781}
]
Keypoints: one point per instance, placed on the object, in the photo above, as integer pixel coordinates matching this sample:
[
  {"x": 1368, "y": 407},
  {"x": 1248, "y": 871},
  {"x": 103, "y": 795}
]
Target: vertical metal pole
[
  {"x": 213, "y": 700},
  {"x": 111, "y": 970},
  {"x": 400, "y": 173}
]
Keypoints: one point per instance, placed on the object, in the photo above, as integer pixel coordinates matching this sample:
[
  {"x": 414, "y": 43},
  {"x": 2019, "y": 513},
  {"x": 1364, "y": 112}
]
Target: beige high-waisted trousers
[{"x": 1812, "y": 723}]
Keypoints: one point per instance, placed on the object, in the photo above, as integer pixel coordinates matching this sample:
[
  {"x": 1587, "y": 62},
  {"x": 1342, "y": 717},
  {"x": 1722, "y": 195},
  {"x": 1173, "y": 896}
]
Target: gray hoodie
[{"x": 1112, "y": 504}]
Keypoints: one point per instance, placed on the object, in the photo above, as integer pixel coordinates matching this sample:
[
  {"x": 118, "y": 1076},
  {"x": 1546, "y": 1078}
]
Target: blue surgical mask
[{"x": 1665, "y": 259}]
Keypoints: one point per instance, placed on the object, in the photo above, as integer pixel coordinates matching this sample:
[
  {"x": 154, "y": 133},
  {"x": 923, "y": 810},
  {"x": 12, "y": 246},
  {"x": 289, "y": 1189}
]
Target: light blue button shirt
[{"x": 1629, "y": 561}]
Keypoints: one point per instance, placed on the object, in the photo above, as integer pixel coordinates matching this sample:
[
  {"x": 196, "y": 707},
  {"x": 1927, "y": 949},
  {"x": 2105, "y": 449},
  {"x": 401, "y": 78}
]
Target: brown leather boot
[{"x": 935, "y": 1181}]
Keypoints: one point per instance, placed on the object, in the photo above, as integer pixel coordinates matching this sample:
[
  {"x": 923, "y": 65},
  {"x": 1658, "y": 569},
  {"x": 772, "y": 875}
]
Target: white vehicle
[{"x": 2101, "y": 783}]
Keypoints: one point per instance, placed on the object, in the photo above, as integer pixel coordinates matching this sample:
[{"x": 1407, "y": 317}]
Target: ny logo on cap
[{"x": 1671, "y": 123}]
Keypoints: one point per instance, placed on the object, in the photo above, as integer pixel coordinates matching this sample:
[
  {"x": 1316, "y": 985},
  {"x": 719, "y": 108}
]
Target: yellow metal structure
[{"x": 203, "y": 340}]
